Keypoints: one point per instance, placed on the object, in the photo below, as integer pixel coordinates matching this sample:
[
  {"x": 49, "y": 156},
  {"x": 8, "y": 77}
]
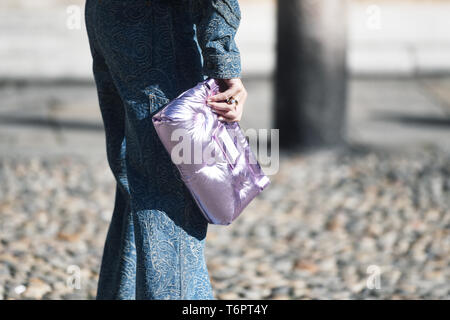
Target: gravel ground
[{"x": 330, "y": 225}]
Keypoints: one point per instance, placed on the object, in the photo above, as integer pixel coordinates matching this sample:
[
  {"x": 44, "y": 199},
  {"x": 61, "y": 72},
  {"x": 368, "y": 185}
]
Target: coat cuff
[{"x": 223, "y": 66}]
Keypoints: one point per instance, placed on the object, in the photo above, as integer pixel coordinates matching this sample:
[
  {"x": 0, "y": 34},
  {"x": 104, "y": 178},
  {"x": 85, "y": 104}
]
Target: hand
[{"x": 229, "y": 112}]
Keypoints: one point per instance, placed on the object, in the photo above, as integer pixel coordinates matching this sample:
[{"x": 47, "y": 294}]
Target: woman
[{"x": 146, "y": 52}]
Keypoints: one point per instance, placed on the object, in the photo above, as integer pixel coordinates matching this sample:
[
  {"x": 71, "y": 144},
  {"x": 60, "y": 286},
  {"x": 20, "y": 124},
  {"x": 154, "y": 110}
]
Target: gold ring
[{"x": 232, "y": 100}]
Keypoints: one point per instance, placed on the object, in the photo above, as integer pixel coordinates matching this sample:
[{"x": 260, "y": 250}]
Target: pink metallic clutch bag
[{"x": 213, "y": 157}]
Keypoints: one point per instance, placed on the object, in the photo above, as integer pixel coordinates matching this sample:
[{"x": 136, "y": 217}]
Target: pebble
[
  {"x": 313, "y": 234},
  {"x": 36, "y": 289}
]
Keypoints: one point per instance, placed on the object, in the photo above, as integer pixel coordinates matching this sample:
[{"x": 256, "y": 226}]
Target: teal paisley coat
[{"x": 144, "y": 53}]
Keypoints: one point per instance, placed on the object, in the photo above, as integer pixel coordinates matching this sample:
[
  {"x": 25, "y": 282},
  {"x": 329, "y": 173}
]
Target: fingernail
[{"x": 220, "y": 118}]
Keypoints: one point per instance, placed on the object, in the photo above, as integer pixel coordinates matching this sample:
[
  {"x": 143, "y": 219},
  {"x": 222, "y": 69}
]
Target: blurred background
[{"x": 358, "y": 209}]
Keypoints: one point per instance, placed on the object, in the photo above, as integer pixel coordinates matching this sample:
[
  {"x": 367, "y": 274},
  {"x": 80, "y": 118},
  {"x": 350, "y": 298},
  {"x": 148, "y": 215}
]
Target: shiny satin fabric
[{"x": 214, "y": 158}]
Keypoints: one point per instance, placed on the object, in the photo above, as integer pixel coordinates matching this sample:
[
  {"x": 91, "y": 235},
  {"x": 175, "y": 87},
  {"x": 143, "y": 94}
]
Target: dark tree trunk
[{"x": 310, "y": 84}]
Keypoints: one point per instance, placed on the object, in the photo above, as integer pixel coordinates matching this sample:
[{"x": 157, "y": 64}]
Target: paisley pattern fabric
[{"x": 146, "y": 52}]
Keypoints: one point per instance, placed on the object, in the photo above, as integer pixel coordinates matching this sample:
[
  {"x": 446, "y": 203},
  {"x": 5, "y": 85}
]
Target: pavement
[
  {"x": 362, "y": 224},
  {"x": 322, "y": 228},
  {"x": 382, "y": 113},
  {"x": 49, "y": 105},
  {"x": 47, "y": 39}
]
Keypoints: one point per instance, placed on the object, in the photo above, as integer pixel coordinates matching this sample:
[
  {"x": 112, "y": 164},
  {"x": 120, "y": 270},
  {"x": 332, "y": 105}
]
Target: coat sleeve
[{"x": 216, "y": 23}]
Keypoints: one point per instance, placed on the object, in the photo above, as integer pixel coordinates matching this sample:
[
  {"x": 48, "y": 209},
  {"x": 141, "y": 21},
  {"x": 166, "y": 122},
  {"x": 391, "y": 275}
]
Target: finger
[
  {"x": 228, "y": 119},
  {"x": 226, "y": 114},
  {"x": 222, "y": 96},
  {"x": 229, "y": 116},
  {"x": 234, "y": 115},
  {"x": 240, "y": 98},
  {"x": 236, "y": 112},
  {"x": 221, "y": 106}
]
